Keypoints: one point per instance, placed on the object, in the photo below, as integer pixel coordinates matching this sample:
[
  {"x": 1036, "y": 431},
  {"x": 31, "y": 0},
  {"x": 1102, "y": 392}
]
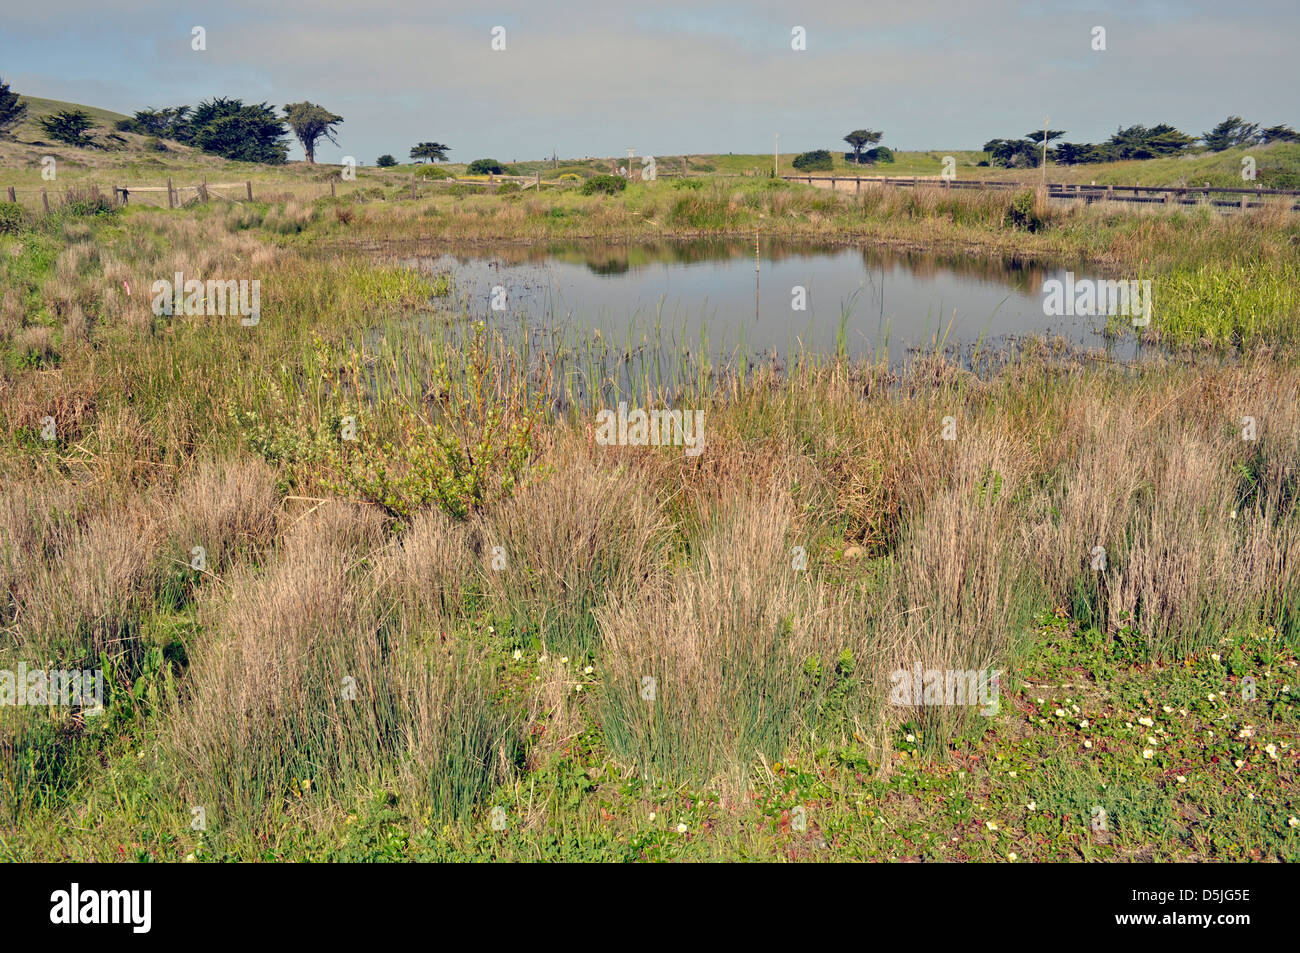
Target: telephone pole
[{"x": 1046, "y": 120}]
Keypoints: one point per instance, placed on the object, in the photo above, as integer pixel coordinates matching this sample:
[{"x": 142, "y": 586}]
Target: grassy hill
[{"x": 133, "y": 159}]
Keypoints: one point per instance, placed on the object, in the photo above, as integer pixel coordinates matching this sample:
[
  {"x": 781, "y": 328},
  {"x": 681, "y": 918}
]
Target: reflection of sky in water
[{"x": 900, "y": 299}]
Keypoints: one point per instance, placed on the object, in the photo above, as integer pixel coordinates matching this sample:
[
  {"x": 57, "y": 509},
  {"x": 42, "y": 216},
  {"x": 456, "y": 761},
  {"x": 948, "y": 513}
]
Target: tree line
[{"x": 1134, "y": 142}]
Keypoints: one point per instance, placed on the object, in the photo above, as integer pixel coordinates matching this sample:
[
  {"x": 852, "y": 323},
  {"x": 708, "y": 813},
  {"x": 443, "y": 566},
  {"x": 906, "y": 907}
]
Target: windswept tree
[
  {"x": 1141, "y": 142},
  {"x": 433, "y": 151},
  {"x": 1052, "y": 135},
  {"x": 310, "y": 123},
  {"x": 1013, "y": 153},
  {"x": 70, "y": 126},
  {"x": 1278, "y": 134},
  {"x": 167, "y": 123},
  {"x": 1233, "y": 131},
  {"x": 385, "y": 161},
  {"x": 247, "y": 133},
  {"x": 859, "y": 139},
  {"x": 12, "y": 111}
]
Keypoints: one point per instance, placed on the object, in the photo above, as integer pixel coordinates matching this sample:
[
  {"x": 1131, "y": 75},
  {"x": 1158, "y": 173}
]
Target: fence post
[
  {"x": 249, "y": 185},
  {"x": 412, "y": 185},
  {"x": 13, "y": 196},
  {"x": 171, "y": 196},
  {"x": 332, "y": 193},
  {"x": 45, "y": 199}
]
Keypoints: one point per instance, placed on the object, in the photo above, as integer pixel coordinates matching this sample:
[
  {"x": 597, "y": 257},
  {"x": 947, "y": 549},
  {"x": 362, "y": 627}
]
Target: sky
[{"x": 660, "y": 77}]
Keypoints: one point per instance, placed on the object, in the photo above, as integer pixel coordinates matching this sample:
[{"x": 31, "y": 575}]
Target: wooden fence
[
  {"x": 1142, "y": 194},
  {"x": 171, "y": 195}
]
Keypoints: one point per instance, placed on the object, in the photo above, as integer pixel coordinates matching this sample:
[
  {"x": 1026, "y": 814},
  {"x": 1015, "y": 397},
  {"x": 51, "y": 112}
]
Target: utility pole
[
  {"x": 1046, "y": 120},
  {"x": 630, "y": 154}
]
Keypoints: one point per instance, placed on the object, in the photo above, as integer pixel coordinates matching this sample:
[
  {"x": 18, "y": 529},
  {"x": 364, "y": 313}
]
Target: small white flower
[
  {"x": 1084, "y": 723},
  {"x": 1011, "y": 856},
  {"x": 1168, "y": 709},
  {"x": 1293, "y": 822},
  {"x": 1181, "y": 779},
  {"x": 1040, "y": 701},
  {"x": 1032, "y": 806},
  {"x": 1239, "y": 763},
  {"x": 1145, "y": 722},
  {"x": 518, "y": 655},
  {"x": 652, "y": 815},
  {"x": 588, "y": 670},
  {"x": 911, "y": 738},
  {"x": 1152, "y": 741},
  {"x": 1011, "y": 774},
  {"x": 1087, "y": 744},
  {"x": 1271, "y": 751},
  {"x": 564, "y": 660},
  {"x": 1147, "y": 753},
  {"x": 681, "y": 828},
  {"x": 990, "y": 825},
  {"x": 1215, "y": 656}
]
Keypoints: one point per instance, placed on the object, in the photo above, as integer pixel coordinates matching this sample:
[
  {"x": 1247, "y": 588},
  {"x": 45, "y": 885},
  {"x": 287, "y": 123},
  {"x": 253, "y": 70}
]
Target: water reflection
[{"x": 726, "y": 297}]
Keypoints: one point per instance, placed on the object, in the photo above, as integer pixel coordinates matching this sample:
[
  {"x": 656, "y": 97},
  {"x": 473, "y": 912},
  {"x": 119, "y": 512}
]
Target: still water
[{"x": 730, "y": 298}]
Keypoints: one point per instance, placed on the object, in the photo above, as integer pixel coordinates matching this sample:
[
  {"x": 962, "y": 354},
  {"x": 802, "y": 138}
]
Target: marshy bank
[{"x": 456, "y": 611}]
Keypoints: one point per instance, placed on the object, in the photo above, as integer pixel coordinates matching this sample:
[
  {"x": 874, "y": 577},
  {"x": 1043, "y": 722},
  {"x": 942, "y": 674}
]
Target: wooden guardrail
[{"x": 1146, "y": 194}]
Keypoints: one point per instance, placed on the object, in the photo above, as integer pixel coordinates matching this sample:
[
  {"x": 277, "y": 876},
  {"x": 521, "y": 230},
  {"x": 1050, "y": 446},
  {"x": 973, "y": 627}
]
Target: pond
[{"x": 720, "y": 296}]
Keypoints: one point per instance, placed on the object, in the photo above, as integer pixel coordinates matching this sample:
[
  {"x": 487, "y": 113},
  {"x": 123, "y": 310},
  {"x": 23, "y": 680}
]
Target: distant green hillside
[{"x": 38, "y": 108}]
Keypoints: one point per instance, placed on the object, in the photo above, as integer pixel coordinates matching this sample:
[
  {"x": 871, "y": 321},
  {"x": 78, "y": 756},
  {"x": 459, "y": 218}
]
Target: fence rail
[
  {"x": 1143, "y": 194},
  {"x": 171, "y": 195}
]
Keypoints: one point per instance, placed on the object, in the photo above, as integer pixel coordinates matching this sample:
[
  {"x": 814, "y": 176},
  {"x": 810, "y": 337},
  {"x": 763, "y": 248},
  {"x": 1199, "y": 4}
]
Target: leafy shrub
[
  {"x": 385, "y": 161},
  {"x": 606, "y": 184},
  {"x": 1023, "y": 212},
  {"x": 154, "y": 144},
  {"x": 689, "y": 184},
  {"x": 507, "y": 188},
  {"x": 11, "y": 217},
  {"x": 819, "y": 160},
  {"x": 485, "y": 167},
  {"x": 880, "y": 154},
  {"x": 471, "y": 451},
  {"x": 91, "y": 203},
  {"x": 432, "y": 172}
]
